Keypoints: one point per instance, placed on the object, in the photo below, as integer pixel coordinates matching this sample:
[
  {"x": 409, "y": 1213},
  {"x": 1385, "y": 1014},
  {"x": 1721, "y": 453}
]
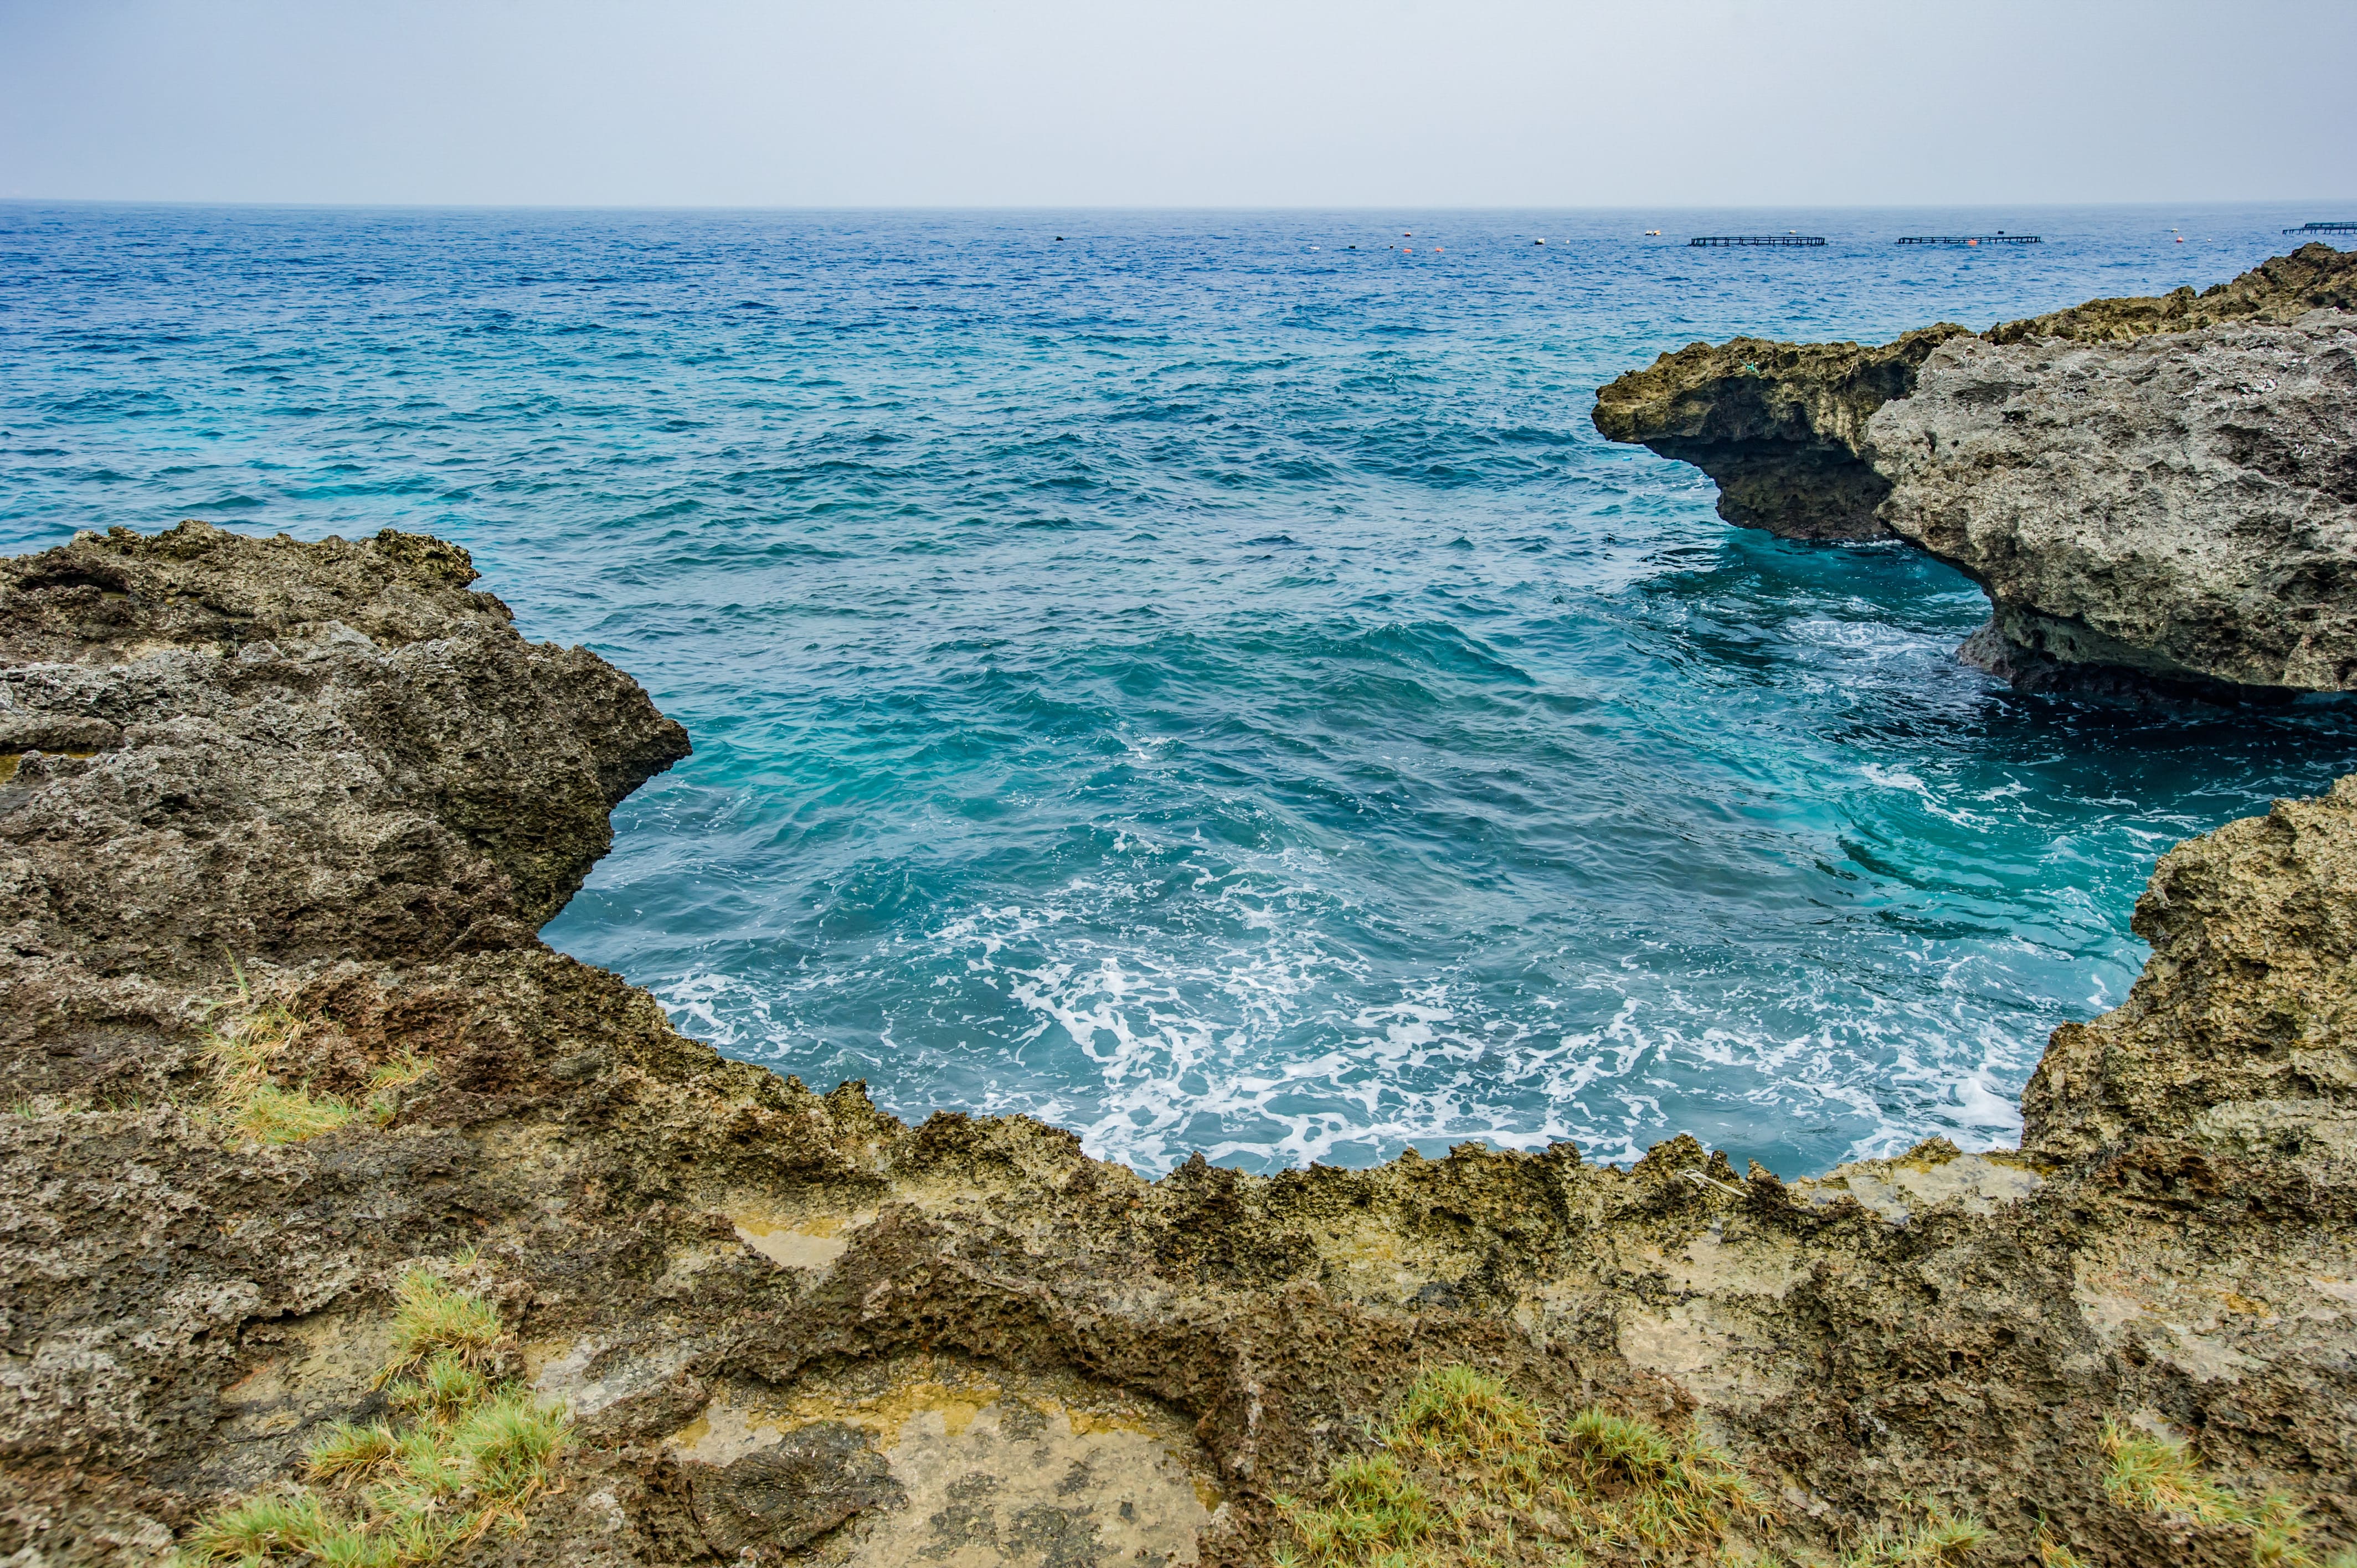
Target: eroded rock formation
[
  {"x": 2151, "y": 489},
  {"x": 1782, "y": 426},
  {"x": 790, "y": 1328},
  {"x": 2181, "y": 508}
]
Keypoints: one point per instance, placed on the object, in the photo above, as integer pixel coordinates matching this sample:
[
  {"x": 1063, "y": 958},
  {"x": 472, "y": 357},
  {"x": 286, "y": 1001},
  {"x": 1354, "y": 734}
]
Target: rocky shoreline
[
  {"x": 279, "y": 823},
  {"x": 2155, "y": 493}
]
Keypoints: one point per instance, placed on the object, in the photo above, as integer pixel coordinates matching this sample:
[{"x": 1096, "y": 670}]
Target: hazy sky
[{"x": 1213, "y": 102}]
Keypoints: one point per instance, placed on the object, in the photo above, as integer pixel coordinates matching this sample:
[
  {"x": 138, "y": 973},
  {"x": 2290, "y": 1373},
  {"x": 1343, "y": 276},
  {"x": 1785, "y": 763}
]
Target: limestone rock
[
  {"x": 2153, "y": 492},
  {"x": 2242, "y": 1030},
  {"x": 2180, "y": 507},
  {"x": 222, "y": 745},
  {"x": 1781, "y": 426},
  {"x": 342, "y": 763},
  {"x": 2278, "y": 290},
  {"x": 778, "y": 1498}
]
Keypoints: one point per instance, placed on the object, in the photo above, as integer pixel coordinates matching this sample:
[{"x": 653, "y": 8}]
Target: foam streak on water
[{"x": 1204, "y": 691}]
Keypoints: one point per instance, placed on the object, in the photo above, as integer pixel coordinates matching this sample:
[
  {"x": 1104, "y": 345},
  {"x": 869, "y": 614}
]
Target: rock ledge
[{"x": 789, "y": 1328}]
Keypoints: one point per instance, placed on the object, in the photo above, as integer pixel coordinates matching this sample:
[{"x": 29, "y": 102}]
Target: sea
[{"x": 1198, "y": 678}]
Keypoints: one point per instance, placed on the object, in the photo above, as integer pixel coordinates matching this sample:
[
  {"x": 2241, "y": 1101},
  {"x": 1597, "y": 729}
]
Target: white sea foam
[
  {"x": 1252, "y": 1038},
  {"x": 1899, "y": 778}
]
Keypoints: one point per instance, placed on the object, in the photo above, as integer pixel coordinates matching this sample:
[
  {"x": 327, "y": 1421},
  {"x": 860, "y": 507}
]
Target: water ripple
[{"x": 1205, "y": 693}]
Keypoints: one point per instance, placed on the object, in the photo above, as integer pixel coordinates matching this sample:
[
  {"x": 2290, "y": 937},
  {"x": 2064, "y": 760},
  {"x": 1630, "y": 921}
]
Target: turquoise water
[{"x": 1189, "y": 681}]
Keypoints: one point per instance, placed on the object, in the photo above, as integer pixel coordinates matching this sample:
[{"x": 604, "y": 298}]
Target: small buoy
[
  {"x": 1972, "y": 241},
  {"x": 1538, "y": 242},
  {"x": 1441, "y": 250},
  {"x": 1409, "y": 234},
  {"x": 2180, "y": 239}
]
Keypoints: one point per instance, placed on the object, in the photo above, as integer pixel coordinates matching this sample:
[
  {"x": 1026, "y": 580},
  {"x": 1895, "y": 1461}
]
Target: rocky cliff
[
  {"x": 1782, "y": 426},
  {"x": 2149, "y": 489},
  {"x": 2179, "y": 509},
  {"x": 289, "y": 1075}
]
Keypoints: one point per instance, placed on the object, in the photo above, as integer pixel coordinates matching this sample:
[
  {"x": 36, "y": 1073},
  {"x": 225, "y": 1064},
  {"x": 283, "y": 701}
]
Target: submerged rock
[
  {"x": 2152, "y": 490},
  {"x": 787, "y": 1326}
]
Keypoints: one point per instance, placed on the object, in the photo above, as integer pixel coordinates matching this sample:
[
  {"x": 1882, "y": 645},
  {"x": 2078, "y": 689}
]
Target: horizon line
[{"x": 358, "y": 205}]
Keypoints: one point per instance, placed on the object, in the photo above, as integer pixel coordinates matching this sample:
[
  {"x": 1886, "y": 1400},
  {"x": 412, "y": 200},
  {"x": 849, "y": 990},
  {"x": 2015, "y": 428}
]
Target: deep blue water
[{"x": 1192, "y": 681}]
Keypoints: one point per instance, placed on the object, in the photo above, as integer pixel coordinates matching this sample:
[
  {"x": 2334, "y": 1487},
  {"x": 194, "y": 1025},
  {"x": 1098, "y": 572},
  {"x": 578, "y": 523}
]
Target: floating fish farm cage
[
  {"x": 1970, "y": 240},
  {"x": 1758, "y": 240}
]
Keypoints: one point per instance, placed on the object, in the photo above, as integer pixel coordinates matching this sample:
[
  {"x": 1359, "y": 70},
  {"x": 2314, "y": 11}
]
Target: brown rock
[{"x": 181, "y": 1307}]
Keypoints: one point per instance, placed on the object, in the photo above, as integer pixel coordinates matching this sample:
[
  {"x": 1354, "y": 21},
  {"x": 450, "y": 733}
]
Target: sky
[{"x": 1649, "y": 103}]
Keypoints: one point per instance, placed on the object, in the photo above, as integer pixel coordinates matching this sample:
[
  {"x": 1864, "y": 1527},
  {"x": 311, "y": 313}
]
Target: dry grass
[
  {"x": 433, "y": 1320},
  {"x": 1470, "y": 1475},
  {"x": 245, "y": 1054},
  {"x": 2052, "y": 1553},
  {"x": 276, "y": 1115},
  {"x": 470, "y": 1457},
  {"x": 401, "y": 1071},
  {"x": 249, "y": 1054},
  {"x": 389, "y": 1080}
]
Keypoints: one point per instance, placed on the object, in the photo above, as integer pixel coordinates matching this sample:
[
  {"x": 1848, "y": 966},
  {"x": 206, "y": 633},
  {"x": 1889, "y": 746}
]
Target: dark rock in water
[
  {"x": 2156, "y": 492},
  {"x": 784, "y": 1323}
]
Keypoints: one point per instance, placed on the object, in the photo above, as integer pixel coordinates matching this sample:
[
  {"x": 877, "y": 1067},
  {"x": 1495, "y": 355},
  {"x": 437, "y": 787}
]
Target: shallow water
[{"x": 1189, "y": 681}]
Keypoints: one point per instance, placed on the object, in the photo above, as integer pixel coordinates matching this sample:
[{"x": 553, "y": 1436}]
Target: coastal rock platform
[
  {"x": 280, "y": 821},
  {"x": 2156, "y": 493}
]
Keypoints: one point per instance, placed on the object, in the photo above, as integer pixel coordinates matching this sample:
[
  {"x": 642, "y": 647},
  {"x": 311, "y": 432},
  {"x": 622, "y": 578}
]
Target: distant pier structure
[
  {"x": 1996, "y": 239},
  {"x": 2322, "y": 228},
  {"x": 1757, "y": 239}
]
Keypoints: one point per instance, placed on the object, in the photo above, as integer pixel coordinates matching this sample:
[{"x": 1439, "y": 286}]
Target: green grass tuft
[
  {"x": 434, "y": 1315},
  {"x": 2160, "y": 1475},
  {"x": 1469, "y": 1474},
  {"x": 504, "y": 1446},
  {"x": 446, "y": 1387},
  {"x": 1942, "y": 1539},
  {"x": 1636, "y": 1449},
  {"x": 347, "y": 1450},
  {"x": 275, "y": 1524},
  {"x": 471, "y": 1457}
]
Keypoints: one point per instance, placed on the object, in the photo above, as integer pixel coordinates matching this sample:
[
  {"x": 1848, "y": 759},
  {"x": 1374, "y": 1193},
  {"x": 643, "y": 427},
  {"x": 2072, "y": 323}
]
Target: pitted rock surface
[
  {"x": 2183, "y": 507},
  {"x": 2156, "y": 492},
  {"x": 711, "y": 1265},
  {"x": 219, "y": 744}
]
